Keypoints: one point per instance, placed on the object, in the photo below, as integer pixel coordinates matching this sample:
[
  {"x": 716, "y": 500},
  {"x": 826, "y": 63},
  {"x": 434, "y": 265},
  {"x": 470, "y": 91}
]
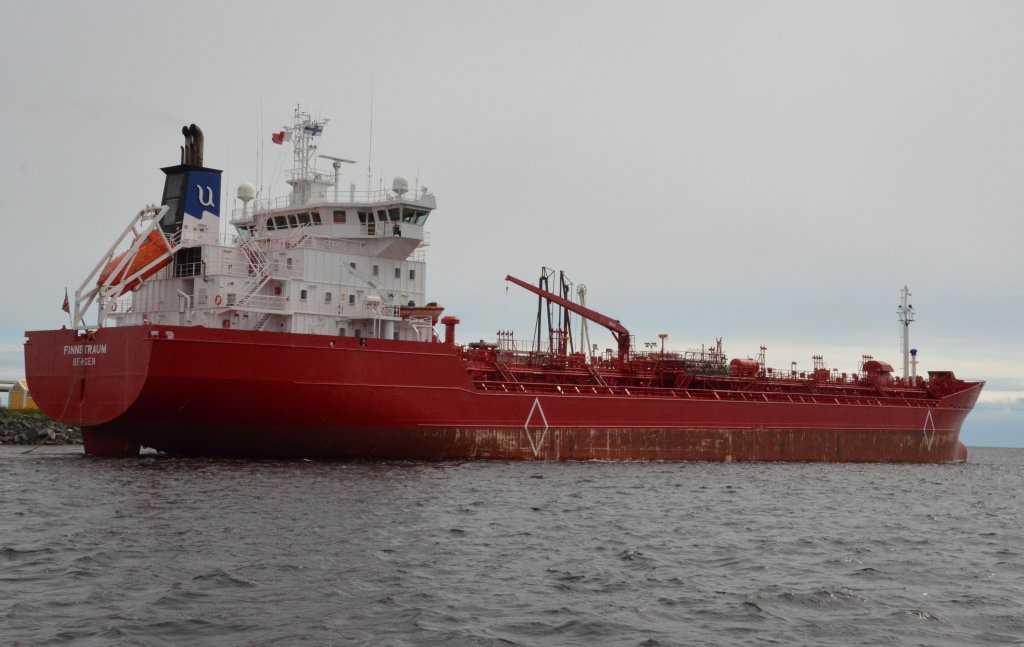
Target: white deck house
[{"x": 319, "y": 260}]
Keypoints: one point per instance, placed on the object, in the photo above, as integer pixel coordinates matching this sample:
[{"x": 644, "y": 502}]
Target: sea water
[{"x": 164, "y": 551}]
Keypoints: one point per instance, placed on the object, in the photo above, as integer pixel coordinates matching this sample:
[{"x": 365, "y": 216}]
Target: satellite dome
[
  {"x": 400, "y": 185},
  {"x": 246, "y": 192}
]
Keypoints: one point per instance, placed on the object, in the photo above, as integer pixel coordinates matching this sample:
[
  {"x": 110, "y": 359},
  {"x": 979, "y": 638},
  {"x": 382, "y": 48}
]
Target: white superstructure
[{"x": 320, "y": 260}]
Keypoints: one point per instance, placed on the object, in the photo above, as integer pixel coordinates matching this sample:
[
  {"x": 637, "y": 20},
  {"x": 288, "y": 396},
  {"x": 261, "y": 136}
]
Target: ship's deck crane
[{"x": 618, "y": 331}]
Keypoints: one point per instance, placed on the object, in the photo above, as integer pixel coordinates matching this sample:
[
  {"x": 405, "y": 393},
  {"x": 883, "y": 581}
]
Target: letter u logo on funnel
[{"x": 208, "y": 202}]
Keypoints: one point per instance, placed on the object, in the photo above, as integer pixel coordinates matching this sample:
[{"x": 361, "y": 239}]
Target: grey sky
[{"x": 770, "y": 172}]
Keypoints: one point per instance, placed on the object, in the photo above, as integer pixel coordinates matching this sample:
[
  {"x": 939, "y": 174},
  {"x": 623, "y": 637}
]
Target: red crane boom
[{"x": 617, "y": 329}]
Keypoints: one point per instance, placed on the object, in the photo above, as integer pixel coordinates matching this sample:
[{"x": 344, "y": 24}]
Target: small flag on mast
[
  {"x": 278, "y": 138},
  {"x": 67, "y": 306}
]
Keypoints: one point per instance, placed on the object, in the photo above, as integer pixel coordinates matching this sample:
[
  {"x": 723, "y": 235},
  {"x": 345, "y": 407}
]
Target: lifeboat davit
[{"x": 151, "y": 249}]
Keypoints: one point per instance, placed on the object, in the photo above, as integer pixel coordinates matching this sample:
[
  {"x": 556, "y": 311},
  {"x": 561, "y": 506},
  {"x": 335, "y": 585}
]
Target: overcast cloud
[{"x": 766, "y": 172}]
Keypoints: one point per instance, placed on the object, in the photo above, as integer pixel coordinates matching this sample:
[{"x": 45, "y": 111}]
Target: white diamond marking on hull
[
  {"x": 929, "y": 425},
  {"x": 526, "y": 427}
]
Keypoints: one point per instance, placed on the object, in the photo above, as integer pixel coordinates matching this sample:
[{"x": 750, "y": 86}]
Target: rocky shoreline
[{"x": 35, "y": 429}]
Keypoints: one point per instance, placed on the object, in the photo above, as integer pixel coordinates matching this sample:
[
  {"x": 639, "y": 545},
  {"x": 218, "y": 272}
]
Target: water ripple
[{"x": 160, "y": 551}]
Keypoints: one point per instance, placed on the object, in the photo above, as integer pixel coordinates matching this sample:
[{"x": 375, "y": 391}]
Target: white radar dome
[
  {"x": 400, "y": 185},
  {"x": 246, "y": 192}
]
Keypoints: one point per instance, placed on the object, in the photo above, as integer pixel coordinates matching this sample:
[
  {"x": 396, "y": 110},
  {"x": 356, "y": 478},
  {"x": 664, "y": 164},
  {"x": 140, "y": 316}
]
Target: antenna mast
[
  {"x": 906, "y": 315},
  {"x": 369, "y": 154},
  {"x": 303, "y": 133}
]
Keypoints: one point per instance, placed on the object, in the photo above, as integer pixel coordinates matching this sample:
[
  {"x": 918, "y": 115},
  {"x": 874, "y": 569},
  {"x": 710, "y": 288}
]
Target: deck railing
[{"x": 344, "y": 196}]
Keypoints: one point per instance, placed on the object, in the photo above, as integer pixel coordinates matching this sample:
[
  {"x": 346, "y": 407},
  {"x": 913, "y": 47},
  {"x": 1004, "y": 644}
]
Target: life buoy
[{"x": 217, "y": 300}]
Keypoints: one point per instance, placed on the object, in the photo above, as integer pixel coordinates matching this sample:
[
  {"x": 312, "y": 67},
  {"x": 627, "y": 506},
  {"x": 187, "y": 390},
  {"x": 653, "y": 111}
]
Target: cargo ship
[{"x": 305, "y": 332}]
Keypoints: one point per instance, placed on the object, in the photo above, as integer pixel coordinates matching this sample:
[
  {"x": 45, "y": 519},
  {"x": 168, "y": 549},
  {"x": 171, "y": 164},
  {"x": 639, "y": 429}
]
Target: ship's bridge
[
  {"x": 395, "y": 221},
  {"x": 318, "y": 206}
]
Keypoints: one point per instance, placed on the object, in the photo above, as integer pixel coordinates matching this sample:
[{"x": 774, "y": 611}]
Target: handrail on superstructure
[
  {"x": 415, "y": 197},
  {"x": 618, "y": 331}
]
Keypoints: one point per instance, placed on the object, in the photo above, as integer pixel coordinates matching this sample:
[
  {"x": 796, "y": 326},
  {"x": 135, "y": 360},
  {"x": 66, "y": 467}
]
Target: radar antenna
[{"x": 337, "y": 162}]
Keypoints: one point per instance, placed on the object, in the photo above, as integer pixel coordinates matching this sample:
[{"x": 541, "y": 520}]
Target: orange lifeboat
[
  {"x": 152, "y": 248},
  {"x": 431, "y": 310}
]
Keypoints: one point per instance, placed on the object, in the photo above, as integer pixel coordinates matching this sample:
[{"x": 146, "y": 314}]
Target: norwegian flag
[
  {"x": 67, "y": 306},
  {"x": 277, "y": 138}
]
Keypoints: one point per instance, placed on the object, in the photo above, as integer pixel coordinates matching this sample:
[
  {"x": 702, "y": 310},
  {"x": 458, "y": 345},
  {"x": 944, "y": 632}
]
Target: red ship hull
[{"x": 200, "y": 391}]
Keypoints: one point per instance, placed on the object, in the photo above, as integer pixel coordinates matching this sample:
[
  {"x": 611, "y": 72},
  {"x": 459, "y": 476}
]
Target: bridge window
[
  {"x": 281, "y": 222},
  {"x": 315, "y": 216},
  {"x": 393, "y": 214},
  {"x": 339, "y": 216},
  {"x": 270, "y": 223},
  {"x": 414, "y": 216},
  {"x": 292, "y": 221},
  {"x": 303, "y": 218}
]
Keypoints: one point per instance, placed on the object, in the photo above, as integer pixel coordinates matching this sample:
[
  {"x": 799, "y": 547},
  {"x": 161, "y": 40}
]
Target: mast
[
  {"x": 565, "y": 345},
  {"x": 581, "y": 291},
  {"x": 369, "y": 154},
  {"x": 543, "y": 284},
  {"x": 304, "y": 134},
  {"x": 906, "y": 315},
  {"x": 304, "y": 131}
]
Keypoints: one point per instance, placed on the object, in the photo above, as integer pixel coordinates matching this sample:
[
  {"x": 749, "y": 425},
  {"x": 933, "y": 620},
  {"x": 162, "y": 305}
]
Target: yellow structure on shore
[{"x": 20, "y": 397}]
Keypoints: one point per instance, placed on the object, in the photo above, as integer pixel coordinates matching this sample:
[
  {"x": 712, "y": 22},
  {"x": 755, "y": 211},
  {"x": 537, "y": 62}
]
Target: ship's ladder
[
  {"x": 596, "y": 375},
  {"x": 298, "y": 237},
  {"x": 262, "y": 321},
  {"x": 261, "y": 270},
  {"x": 506, "y": 373}
]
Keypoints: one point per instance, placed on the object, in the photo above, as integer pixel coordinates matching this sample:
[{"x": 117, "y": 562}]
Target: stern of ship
[{"x": 88, "y": 380}]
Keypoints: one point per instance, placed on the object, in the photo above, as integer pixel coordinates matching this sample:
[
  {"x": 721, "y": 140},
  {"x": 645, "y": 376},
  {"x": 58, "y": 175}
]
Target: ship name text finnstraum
[{"x": 82, "y": 351}]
